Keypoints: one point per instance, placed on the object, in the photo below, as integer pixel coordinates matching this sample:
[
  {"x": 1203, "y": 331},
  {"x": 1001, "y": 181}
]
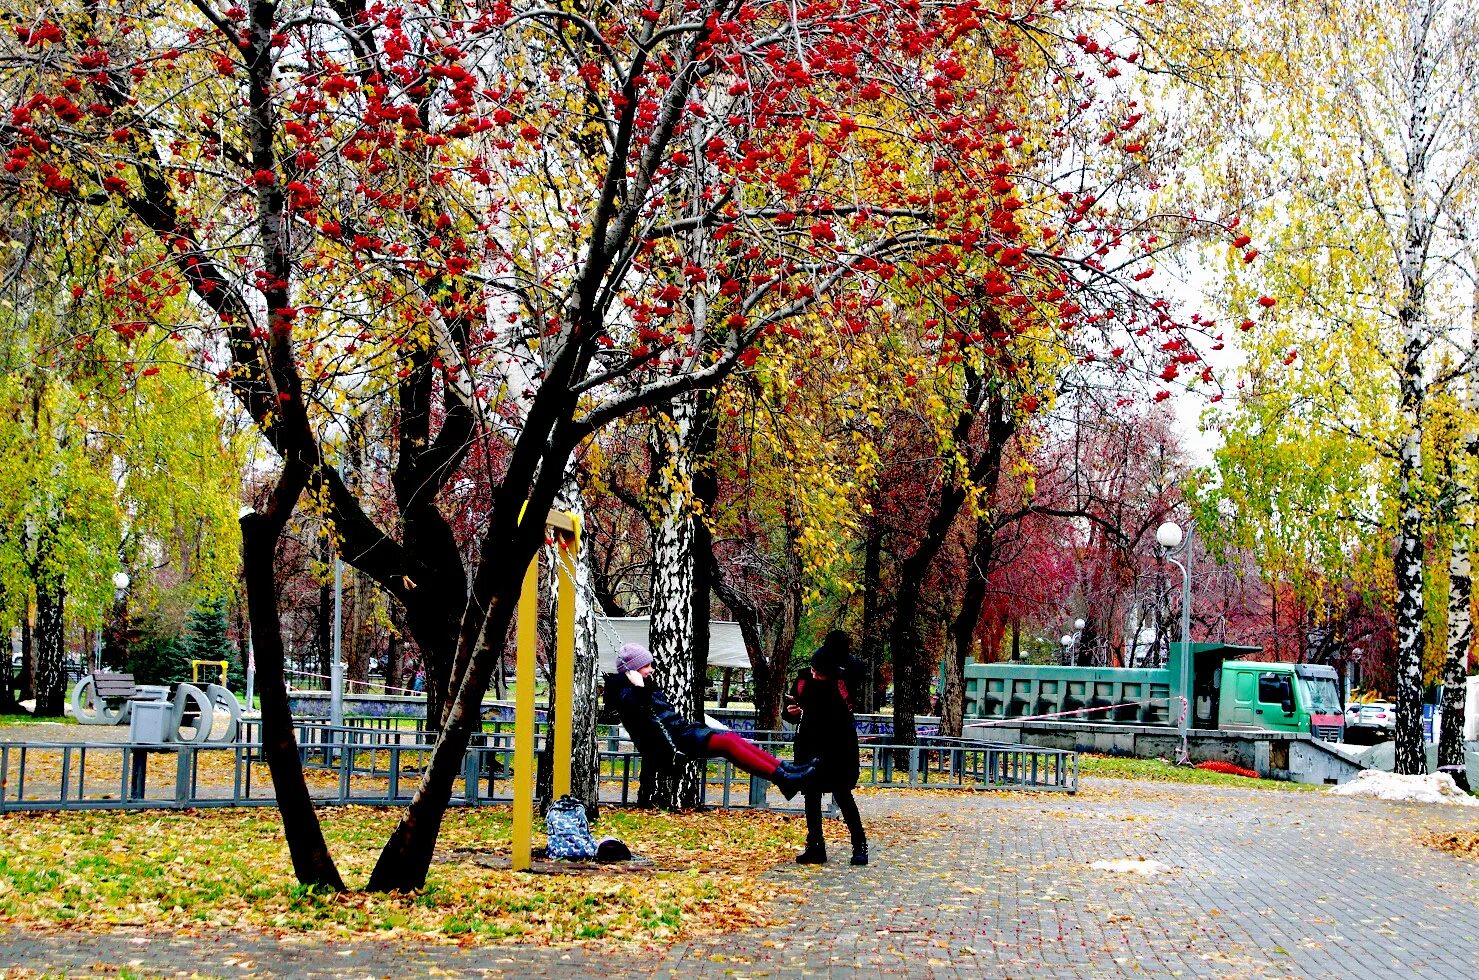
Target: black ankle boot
[
  {"x": 814, "y": 854},
  {"x": 793, "y": 777},
  {"x": 860, "y": 854}
]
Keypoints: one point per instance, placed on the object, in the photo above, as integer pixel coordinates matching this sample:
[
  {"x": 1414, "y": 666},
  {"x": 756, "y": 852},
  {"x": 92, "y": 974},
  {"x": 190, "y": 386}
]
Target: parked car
[{"x": 1371, "y": 722}]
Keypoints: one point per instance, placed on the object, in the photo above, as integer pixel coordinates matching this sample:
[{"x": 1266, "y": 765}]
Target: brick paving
[{"x": 1261, "y": 884}]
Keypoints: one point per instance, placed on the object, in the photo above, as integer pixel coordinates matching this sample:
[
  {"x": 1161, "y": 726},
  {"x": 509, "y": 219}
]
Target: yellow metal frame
[
  {"x": 566, "y": 528},
  {"x": 221, "y": 665}
]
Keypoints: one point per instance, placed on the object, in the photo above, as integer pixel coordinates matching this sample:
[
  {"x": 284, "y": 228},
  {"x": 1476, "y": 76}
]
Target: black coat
[
  {"x": 827, "y": 732},
  {"x": 655, "y": 728}
]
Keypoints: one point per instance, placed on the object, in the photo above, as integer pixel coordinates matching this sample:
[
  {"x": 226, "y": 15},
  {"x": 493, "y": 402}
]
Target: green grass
[
  {"x": 1158, "y": 770},
  {"x": 27, "y": 719}
]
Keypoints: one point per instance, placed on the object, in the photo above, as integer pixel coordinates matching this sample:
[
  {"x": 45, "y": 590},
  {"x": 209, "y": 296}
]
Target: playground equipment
[
  {"x": 154, "y": 713},
  {"x": 103, "y": 698},
  {"x": 565, "y": 530},
  {"x": 218, "y": 666}
]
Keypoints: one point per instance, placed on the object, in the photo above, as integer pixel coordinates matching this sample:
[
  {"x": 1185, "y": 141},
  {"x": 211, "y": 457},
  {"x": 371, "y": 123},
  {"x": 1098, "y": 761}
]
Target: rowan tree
[{"x": 516, "y": 223}]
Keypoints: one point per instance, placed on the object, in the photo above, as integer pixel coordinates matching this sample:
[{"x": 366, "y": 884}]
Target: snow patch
[
  {"x": 1131, "y": 866},
  {"x": 1437, "y": 788}
]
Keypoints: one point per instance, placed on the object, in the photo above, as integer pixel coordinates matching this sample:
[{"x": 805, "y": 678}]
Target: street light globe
[
  {"x": 1078, "y": 624},
  {"x": 120, "y": 580},
  {"x": 1169, "y": 535},
  {"x": 1066, "y": 640}
]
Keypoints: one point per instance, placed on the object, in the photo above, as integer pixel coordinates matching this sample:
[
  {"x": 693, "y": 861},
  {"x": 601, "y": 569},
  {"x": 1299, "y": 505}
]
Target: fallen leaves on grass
[
  {"x": 212, "y": 869},
  {"x": 1159, "y": 770}
]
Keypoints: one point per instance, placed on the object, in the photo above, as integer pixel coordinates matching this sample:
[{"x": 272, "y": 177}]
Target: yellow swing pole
[
  {"x": 567, "y": 530},
  {"x": 524, "y": 719},
  {"x": 564, "y": 699}
]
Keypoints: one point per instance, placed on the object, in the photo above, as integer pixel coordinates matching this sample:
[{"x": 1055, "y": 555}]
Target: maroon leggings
[{"x": 743, "y": 753}]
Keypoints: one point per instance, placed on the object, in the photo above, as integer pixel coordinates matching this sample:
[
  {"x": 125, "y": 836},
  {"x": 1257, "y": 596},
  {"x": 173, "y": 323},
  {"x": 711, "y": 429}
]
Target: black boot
[
  {"x": 815, "y": 853},
  {"x": 794, "y": 777},
  {"x": 860, "y": 853}
]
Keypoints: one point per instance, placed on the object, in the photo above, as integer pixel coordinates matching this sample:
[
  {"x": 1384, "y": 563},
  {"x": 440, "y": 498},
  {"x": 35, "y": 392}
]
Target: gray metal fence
[{"x": 383, "y": 765}]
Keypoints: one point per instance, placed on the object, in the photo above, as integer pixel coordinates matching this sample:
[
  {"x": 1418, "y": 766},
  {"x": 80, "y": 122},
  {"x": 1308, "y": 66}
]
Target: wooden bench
[{"x": 114, "y": 686}]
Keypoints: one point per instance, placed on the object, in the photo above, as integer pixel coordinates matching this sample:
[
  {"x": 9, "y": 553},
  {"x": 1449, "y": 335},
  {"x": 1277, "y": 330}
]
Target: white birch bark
[
  {"x": 1412, "y": 317},
  {"x": 1460, "y": 570},
  {"x": 670, "y": 629}
]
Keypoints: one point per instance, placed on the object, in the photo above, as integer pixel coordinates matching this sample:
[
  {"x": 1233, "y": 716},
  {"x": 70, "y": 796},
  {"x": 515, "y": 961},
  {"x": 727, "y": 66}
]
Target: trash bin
[{"x": 150, "y": 722}]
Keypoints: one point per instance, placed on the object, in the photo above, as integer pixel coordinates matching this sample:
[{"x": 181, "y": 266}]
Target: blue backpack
[{"x": 569, "y": 833}]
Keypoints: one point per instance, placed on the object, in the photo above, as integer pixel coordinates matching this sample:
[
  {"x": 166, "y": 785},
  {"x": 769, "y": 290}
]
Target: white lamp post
[{"x": 1170, "y": 538}]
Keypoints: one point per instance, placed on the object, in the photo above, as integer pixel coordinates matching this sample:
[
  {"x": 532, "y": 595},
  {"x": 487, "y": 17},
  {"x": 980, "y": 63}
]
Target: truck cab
[{"x": 1280, "y": 698}]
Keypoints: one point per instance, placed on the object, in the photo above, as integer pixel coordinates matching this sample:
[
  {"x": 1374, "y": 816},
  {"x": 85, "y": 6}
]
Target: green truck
[
  {"x": 1228, "y": 693},
  {"x": 1278, "y": 698}
]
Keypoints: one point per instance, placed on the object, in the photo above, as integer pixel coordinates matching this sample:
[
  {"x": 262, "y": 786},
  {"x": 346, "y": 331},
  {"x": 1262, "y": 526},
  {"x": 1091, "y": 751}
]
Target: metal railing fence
[{"x": 376, "y": 766}]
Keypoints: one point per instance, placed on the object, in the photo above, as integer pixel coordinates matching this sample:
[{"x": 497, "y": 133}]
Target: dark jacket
[
  {"x": 827, "y": 732},
  {"x": 655, "y": 728}
]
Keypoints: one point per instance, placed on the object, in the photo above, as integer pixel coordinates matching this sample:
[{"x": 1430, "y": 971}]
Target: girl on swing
[{"x": 666, "y": 738}]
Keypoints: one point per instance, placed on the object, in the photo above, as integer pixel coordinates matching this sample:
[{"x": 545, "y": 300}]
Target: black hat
[
  {"x": 834, "y": 657},
  {"x": 611, "y": 849}
]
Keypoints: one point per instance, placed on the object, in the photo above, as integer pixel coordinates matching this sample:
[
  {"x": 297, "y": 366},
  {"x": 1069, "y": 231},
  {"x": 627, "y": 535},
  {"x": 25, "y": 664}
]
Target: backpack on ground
[{"x": 569, "y": 833}]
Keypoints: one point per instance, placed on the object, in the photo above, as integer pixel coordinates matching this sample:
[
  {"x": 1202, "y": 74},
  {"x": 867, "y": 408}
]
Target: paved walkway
[{"x": 1261, "y": 883}]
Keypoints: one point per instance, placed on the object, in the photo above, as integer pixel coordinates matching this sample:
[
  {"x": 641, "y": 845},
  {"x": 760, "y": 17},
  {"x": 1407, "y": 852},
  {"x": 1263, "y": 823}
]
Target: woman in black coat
[
  {"x": 828, "y": 732},
  {"x": 667, "y": 739}
]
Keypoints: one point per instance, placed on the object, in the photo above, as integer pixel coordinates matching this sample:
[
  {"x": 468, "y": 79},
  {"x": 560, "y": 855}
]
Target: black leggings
[{"x": 845, "y": 803}]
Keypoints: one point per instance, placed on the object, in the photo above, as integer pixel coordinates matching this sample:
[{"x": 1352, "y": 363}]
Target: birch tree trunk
[
  {"x": 1412, "y": 316},
  {"x": 670, "y": 624},
  {"x": 1410, "y": 609},
  {"x": 1460, "y": 634},
  {"x": 1460, "y": 572}
]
